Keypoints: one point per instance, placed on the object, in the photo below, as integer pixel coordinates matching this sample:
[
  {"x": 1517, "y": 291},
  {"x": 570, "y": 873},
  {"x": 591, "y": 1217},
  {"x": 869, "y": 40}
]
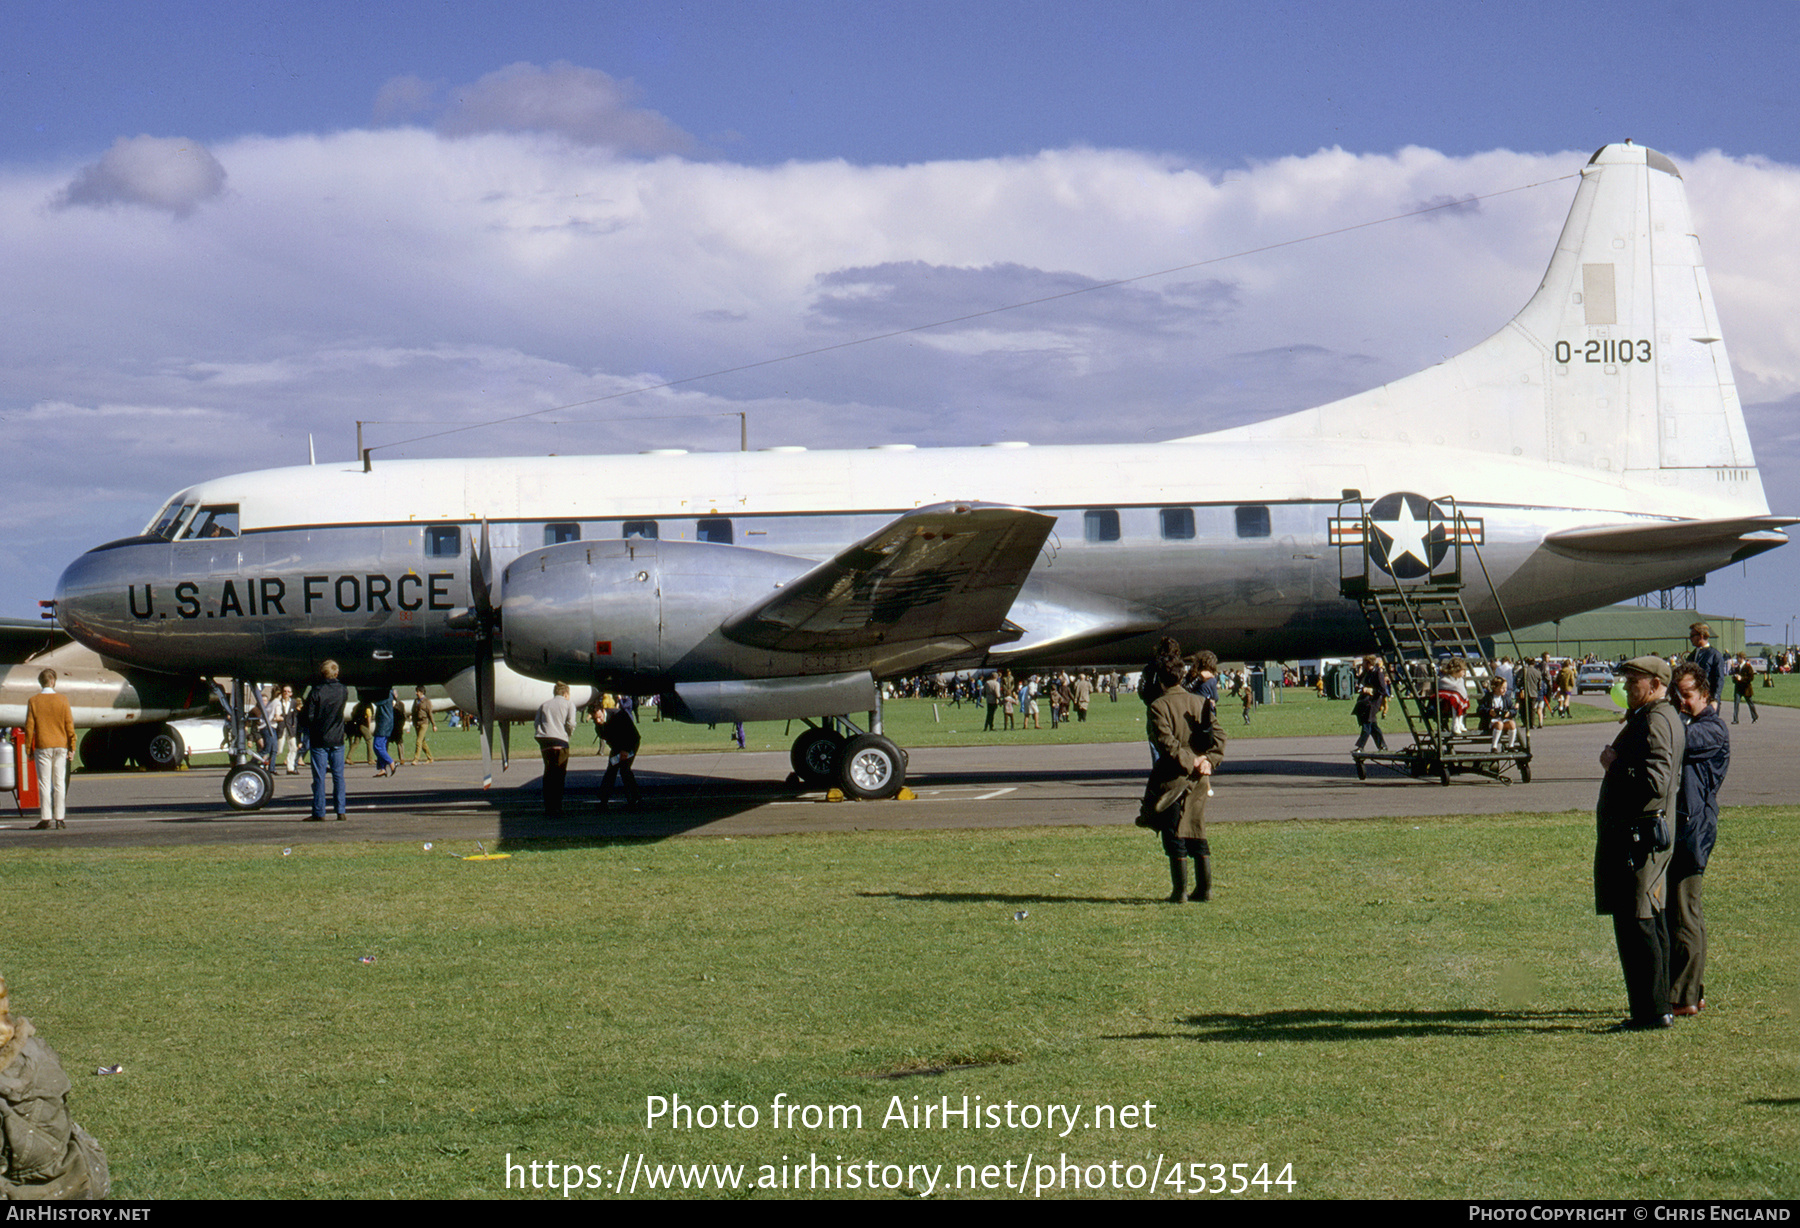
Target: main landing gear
[{"x": 836, "y": 754}]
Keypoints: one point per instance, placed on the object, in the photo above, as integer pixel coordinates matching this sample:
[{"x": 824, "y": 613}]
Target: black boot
[
  {"x": 1202, "y": 873},
  {"x": 1178, "y": 880}
]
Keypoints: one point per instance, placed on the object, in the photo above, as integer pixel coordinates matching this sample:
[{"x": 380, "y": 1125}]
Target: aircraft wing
[
  {"x": 949, "y": 570},
  {"x": 1753, "y": 534},
  {"x": 23, "y": 638}
]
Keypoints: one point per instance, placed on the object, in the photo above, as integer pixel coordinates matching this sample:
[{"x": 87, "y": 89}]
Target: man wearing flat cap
[{"x": 1635, "y": 822}]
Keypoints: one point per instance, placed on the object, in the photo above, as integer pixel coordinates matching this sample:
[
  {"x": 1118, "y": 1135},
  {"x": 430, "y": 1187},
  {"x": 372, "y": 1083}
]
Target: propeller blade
[
  {"x": 487, "y": 618},
  {"x": 505, "y": 744},
  {"x": 481, "y": 575},
  {"x": 484, "y": 713}
]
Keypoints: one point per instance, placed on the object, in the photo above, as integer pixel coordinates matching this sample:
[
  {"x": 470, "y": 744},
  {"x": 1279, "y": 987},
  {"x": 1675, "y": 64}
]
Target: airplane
[
  {"x": 125, "y": 710},
  {"x": 1594, "y": 447}
]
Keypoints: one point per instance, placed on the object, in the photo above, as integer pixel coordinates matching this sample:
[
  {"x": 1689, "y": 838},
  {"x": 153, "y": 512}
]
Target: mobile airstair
[{"x": 1401, "y": 560}]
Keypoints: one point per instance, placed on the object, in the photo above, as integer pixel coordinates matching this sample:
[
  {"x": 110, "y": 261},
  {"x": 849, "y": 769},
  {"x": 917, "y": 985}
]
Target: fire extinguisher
[{"x": 25, "y": 782}]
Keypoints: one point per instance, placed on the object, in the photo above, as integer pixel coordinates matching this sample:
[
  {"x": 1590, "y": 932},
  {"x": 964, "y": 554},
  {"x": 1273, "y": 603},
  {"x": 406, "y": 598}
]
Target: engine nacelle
[{"x": 633, "y": 610}]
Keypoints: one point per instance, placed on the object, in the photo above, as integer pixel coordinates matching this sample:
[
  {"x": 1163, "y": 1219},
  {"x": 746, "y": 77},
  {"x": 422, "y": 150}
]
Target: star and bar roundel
[{"x": 1411, "y": 534}]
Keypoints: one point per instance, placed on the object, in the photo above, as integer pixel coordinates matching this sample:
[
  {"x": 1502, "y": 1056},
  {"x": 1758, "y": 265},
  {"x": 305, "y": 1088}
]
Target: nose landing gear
[{"x": 249, "y": 784}]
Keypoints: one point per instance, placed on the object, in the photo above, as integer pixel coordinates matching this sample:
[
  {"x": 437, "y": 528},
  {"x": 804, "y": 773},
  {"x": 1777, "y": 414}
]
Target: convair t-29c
[{"x": 1594, "y": 446}]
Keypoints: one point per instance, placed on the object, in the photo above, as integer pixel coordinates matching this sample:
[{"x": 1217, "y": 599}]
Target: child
[
  {"x": 1497, "y": 715},
  {"x": 1452, "y": 697}
]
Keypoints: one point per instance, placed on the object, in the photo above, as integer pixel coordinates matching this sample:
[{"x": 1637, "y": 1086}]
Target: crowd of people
[{"x": 327, "y": 731}]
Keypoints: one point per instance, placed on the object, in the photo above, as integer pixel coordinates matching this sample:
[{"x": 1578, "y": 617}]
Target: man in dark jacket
[
  {"x": 1710, "y": 660},
  {"x": 1704, "y": 761},
  {"x": 322, "y": 724},
  {"x": 1635, "y": 823},
  {"x": 620, "y": 733}
]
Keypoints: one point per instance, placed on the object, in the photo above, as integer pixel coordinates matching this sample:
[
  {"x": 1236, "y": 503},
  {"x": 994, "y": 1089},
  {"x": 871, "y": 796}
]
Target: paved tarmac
[{"x": 742, "y": 794}]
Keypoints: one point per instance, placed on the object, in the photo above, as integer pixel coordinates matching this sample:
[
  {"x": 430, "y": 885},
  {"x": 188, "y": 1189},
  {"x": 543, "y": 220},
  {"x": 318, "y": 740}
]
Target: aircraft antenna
[{"x": 312, "y": 455}]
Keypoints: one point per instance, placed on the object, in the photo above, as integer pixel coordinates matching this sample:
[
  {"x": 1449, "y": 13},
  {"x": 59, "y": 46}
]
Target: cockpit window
[
  {"x": 219, "y": 521},
  {"x": 169, "y": 521}
]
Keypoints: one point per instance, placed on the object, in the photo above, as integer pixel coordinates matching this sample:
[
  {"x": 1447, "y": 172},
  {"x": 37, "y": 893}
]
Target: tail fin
[{"x": 1615, "y": 365}]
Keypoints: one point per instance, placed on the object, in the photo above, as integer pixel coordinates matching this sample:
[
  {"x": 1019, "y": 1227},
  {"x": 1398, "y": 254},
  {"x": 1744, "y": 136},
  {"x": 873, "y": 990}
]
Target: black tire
[
  {"x": 1443, "y": 770},
  {"x": 104, "y": 750},
  {"x": 248, "y": 787},
  {"x": 816, "y": 755},
  {"x": 1524, "y": 771},
  {"x": 163, "y": 750},
  {"x": 1362, "y": 770},
  {"x": 872, "y": 768}
]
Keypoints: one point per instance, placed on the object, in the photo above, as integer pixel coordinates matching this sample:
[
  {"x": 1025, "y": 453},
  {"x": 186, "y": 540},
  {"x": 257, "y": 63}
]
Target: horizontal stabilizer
[
  {"x": 1672, "y": 536},
  {"x": 949, "y": 570}
]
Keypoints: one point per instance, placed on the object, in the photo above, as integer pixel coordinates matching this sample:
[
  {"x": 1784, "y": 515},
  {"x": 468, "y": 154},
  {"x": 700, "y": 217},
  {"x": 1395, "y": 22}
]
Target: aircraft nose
[{"x": 96, "y": 600}]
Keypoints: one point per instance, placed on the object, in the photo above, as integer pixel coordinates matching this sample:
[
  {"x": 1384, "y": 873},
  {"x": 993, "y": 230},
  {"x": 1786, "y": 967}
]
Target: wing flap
[
  {"x": 945, "y": 571},
  {"x": 1059, "y": 619}
]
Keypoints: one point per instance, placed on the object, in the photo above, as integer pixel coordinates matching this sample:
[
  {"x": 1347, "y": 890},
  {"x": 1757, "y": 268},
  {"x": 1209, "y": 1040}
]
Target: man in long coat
[
  {"x": 1634, "y": 830},
  {"x": 1184, "y": 730}
]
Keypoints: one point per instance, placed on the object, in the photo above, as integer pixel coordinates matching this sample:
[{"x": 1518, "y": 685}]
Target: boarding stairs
[{"x": 1419, "y": 622}]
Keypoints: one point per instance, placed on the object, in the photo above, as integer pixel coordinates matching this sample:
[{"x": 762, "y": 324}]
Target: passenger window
[
  {"x": 639, "y": 528},
  {"x": 713, "y": 531},
  {"x": 1101, "y": 526},
  {"x": 557, "y": 534},
  {"x": 1253, "y": 522},
  {"x": 1178, "y": 524},
  {"x": 443, "y": 541},
  {"x": 221, "y": 521}
]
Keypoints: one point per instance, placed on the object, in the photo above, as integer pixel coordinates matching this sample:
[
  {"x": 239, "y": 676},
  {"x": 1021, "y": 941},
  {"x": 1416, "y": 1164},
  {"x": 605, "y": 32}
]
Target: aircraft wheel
[
  {"x": 816, "y": 756},
  {"x": 1443, "y": 773},
  {"x": 248, "y": 787},
  {"x": 873, "y": 767},
  {"x": 1524, "y": 771},
  {"x": 163, "y": 750},
  {"x": 1362, "y": 770}
]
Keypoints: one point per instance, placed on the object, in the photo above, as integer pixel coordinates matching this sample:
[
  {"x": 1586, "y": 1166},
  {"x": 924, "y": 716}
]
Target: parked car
[{"x": 1595, "y": 677}]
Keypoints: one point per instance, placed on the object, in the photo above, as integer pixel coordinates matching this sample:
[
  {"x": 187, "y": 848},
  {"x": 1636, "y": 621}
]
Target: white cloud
[
  {"x": 156, "y": 172},
  {"x": 419, "y": 282}
]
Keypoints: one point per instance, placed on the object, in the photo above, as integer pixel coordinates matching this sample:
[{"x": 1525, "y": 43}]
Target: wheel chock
[{"x": 905, "y": 795}]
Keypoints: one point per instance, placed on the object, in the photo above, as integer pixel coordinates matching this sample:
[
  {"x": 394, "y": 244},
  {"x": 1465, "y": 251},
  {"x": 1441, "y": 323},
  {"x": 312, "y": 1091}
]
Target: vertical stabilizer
[{"x": 1616, "y": 365}]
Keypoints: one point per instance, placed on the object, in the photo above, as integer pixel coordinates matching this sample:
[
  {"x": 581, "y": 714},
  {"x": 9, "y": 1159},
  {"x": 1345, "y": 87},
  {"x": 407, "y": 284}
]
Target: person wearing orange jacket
[{"x": 50, "y": 737}]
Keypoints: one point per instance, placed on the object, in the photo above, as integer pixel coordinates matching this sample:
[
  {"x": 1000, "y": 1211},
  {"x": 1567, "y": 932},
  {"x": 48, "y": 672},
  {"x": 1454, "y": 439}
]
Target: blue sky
[
  {"x": 907, "y": 82},
  {"x": 232, "y": 226}
]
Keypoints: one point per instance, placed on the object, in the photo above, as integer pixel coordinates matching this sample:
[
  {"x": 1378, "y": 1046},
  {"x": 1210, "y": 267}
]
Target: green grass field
[{"x": 1393, "y": 1008}]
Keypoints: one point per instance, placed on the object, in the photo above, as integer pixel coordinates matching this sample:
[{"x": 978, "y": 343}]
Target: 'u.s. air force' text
[{"x": 369, "y": 593}]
